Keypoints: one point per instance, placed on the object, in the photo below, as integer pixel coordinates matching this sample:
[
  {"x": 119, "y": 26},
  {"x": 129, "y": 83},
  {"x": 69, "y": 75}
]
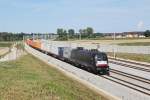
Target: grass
[
  {"x": 132, "y": 56},
  {"x": 5, "y": 44},
  {"x": 135, "y": 44},
  {"x": 20, "y": 45},
  {"x": 5, "y": 51},
  {"x": 2, "y": 54},
  {"x": 108, "y": 41},
  {"x": 30, "y": 79}
]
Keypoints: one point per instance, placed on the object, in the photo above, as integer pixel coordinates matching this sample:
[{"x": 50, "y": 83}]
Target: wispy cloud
[{"x": 140, "y": 25}]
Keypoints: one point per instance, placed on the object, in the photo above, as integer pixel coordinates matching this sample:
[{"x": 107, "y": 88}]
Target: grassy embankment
[
  {"x": 5, "y": 44},
  {"x": 5, "y": 50},
  {"x": 135, "y": 44},
  {"x": 132, "y": 56},
  {"x": 117, "y": 41},
  {"x": 28, "y": 78}
]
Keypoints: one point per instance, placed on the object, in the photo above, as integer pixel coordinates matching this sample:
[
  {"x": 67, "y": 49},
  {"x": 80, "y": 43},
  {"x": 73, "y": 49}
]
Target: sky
[{"x": 48, "y": 15}]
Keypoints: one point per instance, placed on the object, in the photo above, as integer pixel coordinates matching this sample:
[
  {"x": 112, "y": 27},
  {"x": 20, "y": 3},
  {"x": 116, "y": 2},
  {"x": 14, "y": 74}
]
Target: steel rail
[
  {"x": 130, "y": 66},
  {"x": 108, "y": 78}
]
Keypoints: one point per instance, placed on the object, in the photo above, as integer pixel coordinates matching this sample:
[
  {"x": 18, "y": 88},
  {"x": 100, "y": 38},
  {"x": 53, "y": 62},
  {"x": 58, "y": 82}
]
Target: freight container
[
  {"x": 36, "y": 44},
  {"x": 64, "y": 52},
  {"x": 45, "y": 45},
  {"x": 29, "y": 41}
]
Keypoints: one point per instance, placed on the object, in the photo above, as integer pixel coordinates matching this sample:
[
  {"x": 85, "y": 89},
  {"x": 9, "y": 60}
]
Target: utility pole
[
  {"x": 114, "y": 45},
  {"x": 98, "y": 46},
  {"x": 68, "y": 36},
  {"x": 33, "y": 36},
  {"x": 80, "y": 37}
]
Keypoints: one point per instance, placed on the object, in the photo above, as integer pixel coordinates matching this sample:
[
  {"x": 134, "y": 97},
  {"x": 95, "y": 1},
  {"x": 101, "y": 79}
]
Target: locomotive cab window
[{"x": 100, "y": 57}]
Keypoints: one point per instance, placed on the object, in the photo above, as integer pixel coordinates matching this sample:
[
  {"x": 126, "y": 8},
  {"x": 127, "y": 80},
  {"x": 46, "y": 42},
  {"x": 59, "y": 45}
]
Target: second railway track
[
  {"x": 131, "y": 62},
  {"x": 122, "y": 82},
  {"x": 130, "y": 84},
  {"x": 130, "y": 66},
  {"x": 145, "y": 80}
]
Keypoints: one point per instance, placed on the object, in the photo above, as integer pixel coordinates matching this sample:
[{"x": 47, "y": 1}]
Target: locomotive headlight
[{"x": 96, "y": 58}]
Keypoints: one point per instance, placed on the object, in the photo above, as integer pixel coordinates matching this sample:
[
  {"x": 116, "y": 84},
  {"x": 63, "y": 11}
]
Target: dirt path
[
  {"x": 3, "y": 50},
  {"x": 13, "y": 55}
]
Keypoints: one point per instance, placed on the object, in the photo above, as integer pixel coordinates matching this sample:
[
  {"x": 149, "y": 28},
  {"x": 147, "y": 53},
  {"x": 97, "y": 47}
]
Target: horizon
[
  {"x": 106, "y": 16},
  {"x": 75, "y": 32}
]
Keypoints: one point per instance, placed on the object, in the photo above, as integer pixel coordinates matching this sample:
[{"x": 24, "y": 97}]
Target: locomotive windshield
[{"x": 101, "y": 57}]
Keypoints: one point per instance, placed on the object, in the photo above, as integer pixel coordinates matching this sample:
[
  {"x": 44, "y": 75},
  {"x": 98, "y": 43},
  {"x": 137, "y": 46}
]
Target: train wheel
[
  {"x": 89, "y": 69},
  {"x": 95, "y": 71},
  {"x": 108, "y": 73},
  {"x": 79, "y": 66}
]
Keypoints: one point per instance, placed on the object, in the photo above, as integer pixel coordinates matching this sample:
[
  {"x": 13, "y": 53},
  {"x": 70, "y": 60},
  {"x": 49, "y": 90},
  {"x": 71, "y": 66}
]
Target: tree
[
  {"x": 80, "y": 31},
  {"x": 147, "y": 33},
  {"x": 62, "y": 34},
  {"x": 71, "y": 32},
  {"x": 59, "y": 31},
  {"x": 99, "y": 34},
  {"x": 89, "y": 30}
]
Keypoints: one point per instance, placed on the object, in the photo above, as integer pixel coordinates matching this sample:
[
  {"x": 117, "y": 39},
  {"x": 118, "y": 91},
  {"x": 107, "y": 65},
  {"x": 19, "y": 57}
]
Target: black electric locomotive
[{"x": 91, "y": 60}]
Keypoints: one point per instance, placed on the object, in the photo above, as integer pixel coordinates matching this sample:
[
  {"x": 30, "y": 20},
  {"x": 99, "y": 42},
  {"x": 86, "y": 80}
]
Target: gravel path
[
  {"x": 13, "y": 55},
  {"x": 3, "y": 50}
]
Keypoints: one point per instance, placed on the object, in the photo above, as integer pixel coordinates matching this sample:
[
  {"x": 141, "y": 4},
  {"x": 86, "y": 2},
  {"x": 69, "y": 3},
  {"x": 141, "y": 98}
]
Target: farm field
[
  {"x": 5, "y": 44},
  {"x": 22, "y": 80},
  {"x": 4, "y": 48},
  {"x": 132, "y": 56},
  {"x": 135, "y": 44},
  {"x": 114, "y": 41}
]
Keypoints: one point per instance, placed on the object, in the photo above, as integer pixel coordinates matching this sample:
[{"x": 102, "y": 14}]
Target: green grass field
[
  {"x": 135, "y": 44},
  {"x": 132, "y": 56},
  {"x": 117, "y": 41},
  {"x": 4, "y": 51},
  {"x": 30, "y": 79},
  {"x": 5, "y": 44}
]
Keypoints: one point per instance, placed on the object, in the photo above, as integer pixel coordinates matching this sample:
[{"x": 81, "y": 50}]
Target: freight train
[{"x": 90, "y": 60}]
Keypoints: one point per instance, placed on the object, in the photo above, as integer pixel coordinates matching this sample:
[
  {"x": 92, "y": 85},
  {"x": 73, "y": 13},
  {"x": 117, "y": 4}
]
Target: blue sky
[{"x": 48, "y": 15}]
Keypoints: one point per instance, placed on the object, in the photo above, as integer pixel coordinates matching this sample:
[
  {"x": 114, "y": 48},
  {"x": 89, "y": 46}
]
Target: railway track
[
  {"x": 130, "y": 66},
  {"x": 126, "y": 83},
  {"x": 131, "y": 62},
  {"x": 145, "y": 80},
  {"x": 126, "y": 80}
]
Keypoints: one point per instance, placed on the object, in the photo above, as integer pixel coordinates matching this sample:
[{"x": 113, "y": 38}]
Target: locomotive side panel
[
  {"x": 84, "y": 58},
  {"x": 95, "y": 61}
]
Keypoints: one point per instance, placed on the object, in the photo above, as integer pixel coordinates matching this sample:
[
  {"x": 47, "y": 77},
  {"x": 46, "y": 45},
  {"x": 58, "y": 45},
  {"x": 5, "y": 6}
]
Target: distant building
[{"x": 125, "y": 35}]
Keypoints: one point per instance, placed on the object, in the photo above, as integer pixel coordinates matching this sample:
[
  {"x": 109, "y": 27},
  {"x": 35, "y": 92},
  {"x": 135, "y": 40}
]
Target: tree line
[
  {"x": 147, "y": 33},
  {"x": 63, "y": 34},
  {"x": 88, "y": 32},
  {"x": 6, "y": 36}
]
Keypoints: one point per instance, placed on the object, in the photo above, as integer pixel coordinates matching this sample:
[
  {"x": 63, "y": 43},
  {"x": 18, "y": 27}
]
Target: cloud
[{"x": 140, "y": 25}]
